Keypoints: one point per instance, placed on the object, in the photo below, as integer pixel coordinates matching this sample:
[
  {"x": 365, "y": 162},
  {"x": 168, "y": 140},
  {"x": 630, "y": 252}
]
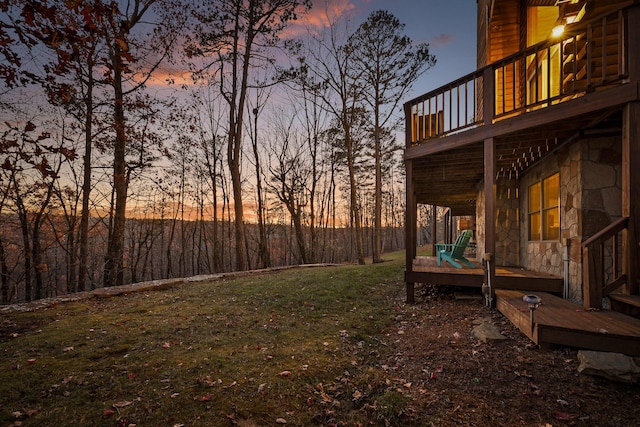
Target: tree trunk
[
  {"x": 4, "y": 274},
  {"x": 86, "y": 189},
  {"x": 355, "y": 207},
  {"x": 377, "y": 215},
  {"x": 263, "y": 249},
  {"x": 113, "y": 266}
]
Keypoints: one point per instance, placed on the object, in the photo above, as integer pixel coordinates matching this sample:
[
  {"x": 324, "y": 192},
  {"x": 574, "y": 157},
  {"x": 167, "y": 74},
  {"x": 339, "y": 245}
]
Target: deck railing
[
  {"x": 603, "y": 266},
  {"x": 588, "y": 56}
]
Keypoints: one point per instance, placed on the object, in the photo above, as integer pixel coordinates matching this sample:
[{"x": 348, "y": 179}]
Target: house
[{"x": 541, "y": 144}]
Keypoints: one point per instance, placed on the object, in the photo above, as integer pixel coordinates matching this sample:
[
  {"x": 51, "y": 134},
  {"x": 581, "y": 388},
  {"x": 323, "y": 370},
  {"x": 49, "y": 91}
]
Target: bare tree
[
  {"x": 263, "y": 247},
  {"x": 234, "y": 37},
  {"x": 388, "y": 63},
  {"x": 329, "y": 64},
  {"x": 128, "y": 75},
  {"x": 289, "y": 178}
]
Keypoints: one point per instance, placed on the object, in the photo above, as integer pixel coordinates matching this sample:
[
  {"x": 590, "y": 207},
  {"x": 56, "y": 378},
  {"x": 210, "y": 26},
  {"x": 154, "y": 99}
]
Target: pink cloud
[
  {"x": 323, "y": 12},
  {"x": 441, "y": 40}
]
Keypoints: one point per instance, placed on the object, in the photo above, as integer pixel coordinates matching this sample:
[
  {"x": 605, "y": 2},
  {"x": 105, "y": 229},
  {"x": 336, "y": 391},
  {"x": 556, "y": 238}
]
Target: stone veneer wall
[
  {"x": 507, "y": 224},
  {"x": 602, "y": 189},
  {"x": 547, "y": 256},
  {"x": 590, "y": 199}
]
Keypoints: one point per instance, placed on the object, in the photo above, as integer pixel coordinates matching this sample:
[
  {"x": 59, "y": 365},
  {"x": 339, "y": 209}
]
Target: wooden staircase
[
  {"x": 605, "y": 277},
  {"x": 557, "y": 321}
]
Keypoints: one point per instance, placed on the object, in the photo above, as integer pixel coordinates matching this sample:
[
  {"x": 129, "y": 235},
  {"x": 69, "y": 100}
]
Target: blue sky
[{"x": 449, "y": 26}]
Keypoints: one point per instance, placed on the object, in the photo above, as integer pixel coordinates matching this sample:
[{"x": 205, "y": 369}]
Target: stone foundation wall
[
  {"x": 602, "y": 189},
  {"x": 590, "y": 199},
  {"x": 507, "y": 224},
  {"x": 548, "y": 256}
]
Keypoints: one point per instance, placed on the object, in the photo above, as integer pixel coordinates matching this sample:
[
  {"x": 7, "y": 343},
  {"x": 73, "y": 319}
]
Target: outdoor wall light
[
  {"x": 533, "y": 301},
  {"x": 557, "y": 30}
]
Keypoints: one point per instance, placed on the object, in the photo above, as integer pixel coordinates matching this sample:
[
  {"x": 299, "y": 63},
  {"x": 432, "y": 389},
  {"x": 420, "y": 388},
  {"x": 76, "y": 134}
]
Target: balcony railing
[{"x": 590, "y": 55}]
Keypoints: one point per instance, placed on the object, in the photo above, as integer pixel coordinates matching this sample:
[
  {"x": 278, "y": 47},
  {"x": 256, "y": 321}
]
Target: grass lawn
[{"x": 299, "y": 347}]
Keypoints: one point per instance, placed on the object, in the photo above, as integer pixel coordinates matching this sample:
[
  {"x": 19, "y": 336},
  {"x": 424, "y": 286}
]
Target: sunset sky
[{"x": 449, "y": 26}]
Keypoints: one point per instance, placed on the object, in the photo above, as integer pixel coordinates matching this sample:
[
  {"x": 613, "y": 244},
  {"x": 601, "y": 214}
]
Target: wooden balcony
[
  {"x": 588, "y": 57},
  {"x": 530, "y": 103}
]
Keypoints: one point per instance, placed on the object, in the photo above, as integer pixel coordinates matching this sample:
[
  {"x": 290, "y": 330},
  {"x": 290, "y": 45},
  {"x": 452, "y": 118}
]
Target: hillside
[{"x": 321, "y": 346}]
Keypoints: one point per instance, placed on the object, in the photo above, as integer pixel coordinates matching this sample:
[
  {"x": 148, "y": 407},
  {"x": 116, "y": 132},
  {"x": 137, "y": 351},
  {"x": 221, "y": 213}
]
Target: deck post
[
  {"x": 593, "y": 277},
  {"x": 490, "y": 207},
  {"x": 434, "y": 229},
  {"x": 631, "y": 194},
  {"x": 630, "y": 162},
  {"x": 410, "y": 230},
  {"x": 411, "y": 210}
]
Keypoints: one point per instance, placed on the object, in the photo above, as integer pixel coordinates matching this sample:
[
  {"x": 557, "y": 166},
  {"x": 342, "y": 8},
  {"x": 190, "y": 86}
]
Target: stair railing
[{"x": 594, "y": 274}]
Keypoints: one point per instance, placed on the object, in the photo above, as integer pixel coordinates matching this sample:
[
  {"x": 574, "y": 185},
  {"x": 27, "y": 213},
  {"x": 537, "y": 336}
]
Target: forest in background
[{"x": 139, "y": 143}]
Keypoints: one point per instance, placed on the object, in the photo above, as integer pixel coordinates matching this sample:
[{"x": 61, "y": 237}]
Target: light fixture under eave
[{"x": 557, "y": 30}]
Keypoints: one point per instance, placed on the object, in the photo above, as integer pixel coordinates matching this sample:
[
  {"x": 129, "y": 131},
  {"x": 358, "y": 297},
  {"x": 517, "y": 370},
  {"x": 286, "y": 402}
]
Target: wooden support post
[
  {"x": 631, "y": 195},
  {"x": 489, "y": 209},
  {"x": 434, "y": 228},
  {"x": 592, "y": 277},
  {"x": 410, "y": 229},
  {"x": 490, "y": 278},
  {"x": 631, "y": 160},
  {"x": 488, "y": 95}
]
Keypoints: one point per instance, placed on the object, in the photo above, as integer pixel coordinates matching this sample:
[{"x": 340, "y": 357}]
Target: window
[{"x": 544, "y": 209}]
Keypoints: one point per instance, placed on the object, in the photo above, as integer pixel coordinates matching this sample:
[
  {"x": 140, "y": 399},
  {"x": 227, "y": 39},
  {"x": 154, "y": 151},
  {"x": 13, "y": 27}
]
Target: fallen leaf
[
  {"x": 562, "y": 402},
  {"x": 564, "y": 416},
  {"x": 281, "y": 421},
  {"x": 204, "y": 398},
  {"x": 285, "y": 374},
  {"x": 108, "y": 412},
  {"x": 122, "y": 404},
  {"x": 166, "y": 344}
]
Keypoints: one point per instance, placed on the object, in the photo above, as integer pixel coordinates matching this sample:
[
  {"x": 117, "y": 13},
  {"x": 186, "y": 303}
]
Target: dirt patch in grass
[{"x": 327, "y": 346}]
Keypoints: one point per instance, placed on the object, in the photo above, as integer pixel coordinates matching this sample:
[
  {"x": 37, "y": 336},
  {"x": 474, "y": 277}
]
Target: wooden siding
[
  {"x": 504, "y": 30},
  {"x": 482, "y": 32}
]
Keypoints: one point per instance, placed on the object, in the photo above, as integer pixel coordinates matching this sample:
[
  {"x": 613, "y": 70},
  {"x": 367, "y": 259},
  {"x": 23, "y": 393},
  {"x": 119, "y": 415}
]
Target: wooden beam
[
  {"x": 551, "y": 285},
  {"x": 444, "y": 278}
]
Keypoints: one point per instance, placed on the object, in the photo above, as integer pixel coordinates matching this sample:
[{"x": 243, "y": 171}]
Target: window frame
[{"x": 539, "y": 214}]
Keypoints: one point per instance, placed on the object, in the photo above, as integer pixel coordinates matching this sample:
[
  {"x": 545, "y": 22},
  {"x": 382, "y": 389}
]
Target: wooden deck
[
  {"x": 425, "y": 269},
  {"x": 561, "y": 322}
]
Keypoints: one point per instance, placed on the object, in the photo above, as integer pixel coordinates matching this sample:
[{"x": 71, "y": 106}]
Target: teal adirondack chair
[{"x": 452, "y": 252}]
